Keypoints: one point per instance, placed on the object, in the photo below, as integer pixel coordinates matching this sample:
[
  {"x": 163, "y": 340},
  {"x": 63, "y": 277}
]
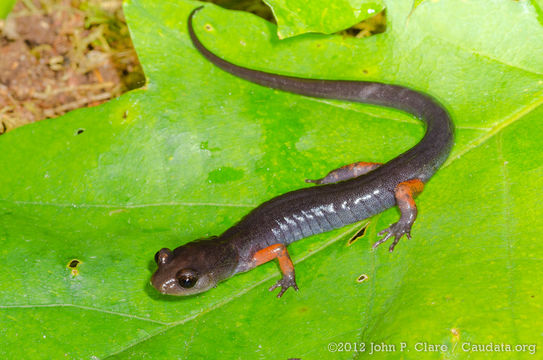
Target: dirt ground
[{"x": 60, "y": 55}]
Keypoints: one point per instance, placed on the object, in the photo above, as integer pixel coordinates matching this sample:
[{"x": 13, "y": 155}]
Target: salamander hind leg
[
  {"x": 405, "y": 193},
  {"x": 346, "y": 172},
  {"x": 278, "y": 251}
]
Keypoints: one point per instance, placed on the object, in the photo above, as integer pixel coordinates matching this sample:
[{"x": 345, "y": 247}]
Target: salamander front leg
[
  {"x": 405, "y": 194},
  {"x": 346, "y": 172},
  {"x": 278, "y": 251}
]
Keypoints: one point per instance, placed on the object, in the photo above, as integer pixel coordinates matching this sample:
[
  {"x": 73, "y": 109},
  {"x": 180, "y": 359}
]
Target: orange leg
[
  {"x": 278, "y": 251},
  {"x": 405, "y": 194},
  {"x": 346, "y": 172}
]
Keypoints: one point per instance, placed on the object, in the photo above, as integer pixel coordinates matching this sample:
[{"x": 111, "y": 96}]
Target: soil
[{"x": 59, "y": 55}]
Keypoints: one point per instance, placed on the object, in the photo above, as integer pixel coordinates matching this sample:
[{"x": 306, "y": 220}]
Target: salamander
[{"x": 344, "y": 196}]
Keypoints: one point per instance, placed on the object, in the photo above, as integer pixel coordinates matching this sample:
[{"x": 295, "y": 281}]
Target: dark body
[{"x": 308, "y": 211}]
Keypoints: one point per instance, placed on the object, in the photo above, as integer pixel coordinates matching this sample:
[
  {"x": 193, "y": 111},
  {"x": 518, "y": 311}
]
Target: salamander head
[{"x": 194, "y": 267}]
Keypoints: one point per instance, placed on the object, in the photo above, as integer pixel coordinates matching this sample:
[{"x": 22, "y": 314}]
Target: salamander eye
[{"x": 186, "y": 278}]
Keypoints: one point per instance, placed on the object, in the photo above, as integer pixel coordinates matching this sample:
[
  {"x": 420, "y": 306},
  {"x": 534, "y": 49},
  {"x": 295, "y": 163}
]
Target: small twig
[
  {"x": 76, "y": 104},
  {"x": 97, "y": 86}
]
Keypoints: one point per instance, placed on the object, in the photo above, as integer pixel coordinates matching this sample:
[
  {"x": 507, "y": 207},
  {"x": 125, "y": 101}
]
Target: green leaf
[
  {"x": 196, "y": 149},
  {"x": 323, "y": 16},
  {"x": 5, "y": 7}
]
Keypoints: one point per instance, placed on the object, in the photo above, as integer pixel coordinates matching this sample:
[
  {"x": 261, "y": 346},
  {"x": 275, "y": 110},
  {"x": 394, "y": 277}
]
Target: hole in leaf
[
  {"x": 74, "y": 265},
  {"x": 80, "y": 131},
  {"x": 362, "y": 278},
  {"x": 358, "y": 234}
]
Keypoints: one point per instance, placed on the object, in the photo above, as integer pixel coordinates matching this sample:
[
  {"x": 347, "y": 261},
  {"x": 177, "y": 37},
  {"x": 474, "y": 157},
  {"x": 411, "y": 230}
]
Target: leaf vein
[
  {"x": 83, "y": 307},
  {"x": 500, "y": 125},
  {"x": 127, "y": 206},
  {"x": 486, "y": 56}
]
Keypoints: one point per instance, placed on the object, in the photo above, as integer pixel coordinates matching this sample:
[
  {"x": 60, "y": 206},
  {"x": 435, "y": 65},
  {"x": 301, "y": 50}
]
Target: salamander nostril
[{"x": 163, "y": 256}]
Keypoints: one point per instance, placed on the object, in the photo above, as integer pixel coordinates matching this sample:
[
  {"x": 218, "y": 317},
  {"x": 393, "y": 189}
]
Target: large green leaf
[
  {"x": 296, "y": 17},
  {"x": 197, "y": 148}
]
